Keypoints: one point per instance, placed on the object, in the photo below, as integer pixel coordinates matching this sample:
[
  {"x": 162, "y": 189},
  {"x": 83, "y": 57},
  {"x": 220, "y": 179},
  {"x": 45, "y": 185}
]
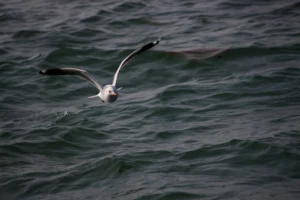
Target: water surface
[{"x": 212, "y": 112}]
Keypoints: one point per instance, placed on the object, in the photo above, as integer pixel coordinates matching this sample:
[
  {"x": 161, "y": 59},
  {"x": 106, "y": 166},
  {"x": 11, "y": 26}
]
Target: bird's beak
[{"x": 114, "y": 94}]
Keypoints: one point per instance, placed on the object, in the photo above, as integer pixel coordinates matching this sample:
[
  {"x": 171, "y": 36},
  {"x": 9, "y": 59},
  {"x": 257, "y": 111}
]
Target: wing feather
[
  {"x": 131, "y": 56},
  {"x": 72, "y": 71}
]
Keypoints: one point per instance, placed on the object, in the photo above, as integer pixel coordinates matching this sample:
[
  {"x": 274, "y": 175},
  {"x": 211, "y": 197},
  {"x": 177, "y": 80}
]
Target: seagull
[{"x": 108, "y": 93}]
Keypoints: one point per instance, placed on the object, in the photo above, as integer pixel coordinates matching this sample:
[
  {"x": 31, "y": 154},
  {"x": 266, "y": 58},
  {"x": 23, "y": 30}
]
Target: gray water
[{"x": 212, "y": 112}]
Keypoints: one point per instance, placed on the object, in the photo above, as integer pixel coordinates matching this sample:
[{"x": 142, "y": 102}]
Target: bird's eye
[{"x": 109, "y": 91}]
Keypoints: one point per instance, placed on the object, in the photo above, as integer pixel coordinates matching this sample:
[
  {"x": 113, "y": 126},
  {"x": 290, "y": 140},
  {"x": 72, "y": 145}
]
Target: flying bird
[{"x": 108, "y": 93}]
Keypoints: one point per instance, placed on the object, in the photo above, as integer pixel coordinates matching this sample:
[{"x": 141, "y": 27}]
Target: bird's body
[{"x": 108, "y": 93}]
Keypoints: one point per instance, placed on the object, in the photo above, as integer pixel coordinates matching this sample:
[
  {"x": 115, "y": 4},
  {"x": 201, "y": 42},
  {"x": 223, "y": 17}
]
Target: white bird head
[{"x": 110, "y": 94}]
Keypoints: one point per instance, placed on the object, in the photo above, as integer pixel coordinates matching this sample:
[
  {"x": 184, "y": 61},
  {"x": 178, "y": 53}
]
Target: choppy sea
[{"x": 212, "y": 112}]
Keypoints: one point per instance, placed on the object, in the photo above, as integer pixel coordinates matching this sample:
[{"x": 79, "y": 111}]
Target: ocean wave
[
  {"x": 67, "y": 178},
  {"x": 129, "y": 6},
  {"x": 27, "y": 34},
  {"x": 243, "y": 152},
  {"x": 170, "y": 195},
  {"x": 100, "y": 16},
  {"x": 289, "y": 8},
  {"x": 234, "y": 53}
]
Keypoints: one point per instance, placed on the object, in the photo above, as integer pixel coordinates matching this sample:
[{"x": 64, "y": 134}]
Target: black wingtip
[
  {"x": 56, "y": 71},
  {"x": 155, "y": 42},
  {"x": 148, "y": 46}
]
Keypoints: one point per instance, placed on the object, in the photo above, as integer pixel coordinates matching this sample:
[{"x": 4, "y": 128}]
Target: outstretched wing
[
  {"x": 72, "y": 71},
  {"x": 131, "y": 56}
]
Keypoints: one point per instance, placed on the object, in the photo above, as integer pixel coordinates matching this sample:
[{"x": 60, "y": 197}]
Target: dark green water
[{"x": 212, "y": 112}]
